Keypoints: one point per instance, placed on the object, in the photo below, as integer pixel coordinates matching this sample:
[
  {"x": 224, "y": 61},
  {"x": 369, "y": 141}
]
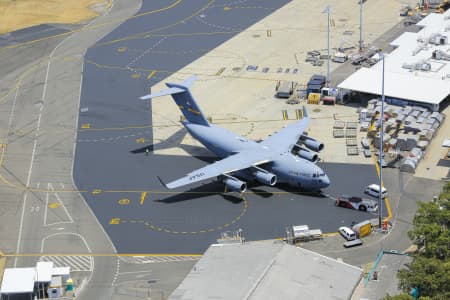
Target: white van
[
  {"x": 374, "y": 190},
  {"x": 347, "y": 233}
]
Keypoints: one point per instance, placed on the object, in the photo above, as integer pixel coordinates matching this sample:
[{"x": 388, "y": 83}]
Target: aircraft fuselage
[{"x": 289, "y": 168}]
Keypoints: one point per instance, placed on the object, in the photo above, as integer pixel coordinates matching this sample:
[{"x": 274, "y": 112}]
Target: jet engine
[
  {"x": 312, "y": 144},
  {"x": 234, "y": 184},
  {"x": 265, "y": 177},
  {"x": 306, "y": 154}
]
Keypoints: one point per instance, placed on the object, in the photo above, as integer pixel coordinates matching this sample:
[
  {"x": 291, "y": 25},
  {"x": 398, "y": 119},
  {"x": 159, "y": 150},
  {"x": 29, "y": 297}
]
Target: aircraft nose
[{"x": 325, "y": 181}]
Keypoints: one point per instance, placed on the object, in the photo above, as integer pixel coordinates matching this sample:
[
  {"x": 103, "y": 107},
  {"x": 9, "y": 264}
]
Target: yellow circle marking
[
  {"x": 124, "y": 201},
  {"x": 151, "y": 226}
]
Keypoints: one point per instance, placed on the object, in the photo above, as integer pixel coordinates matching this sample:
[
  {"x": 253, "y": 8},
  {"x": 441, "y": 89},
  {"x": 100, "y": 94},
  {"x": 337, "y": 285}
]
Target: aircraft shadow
[
  {"x": 202, "y": 191},
  {"x": 175, "y": 140},
  {"x": 172, "y": 141},
  {"x": 260, "y": 192},
  {"x": 289, "y": 189}
]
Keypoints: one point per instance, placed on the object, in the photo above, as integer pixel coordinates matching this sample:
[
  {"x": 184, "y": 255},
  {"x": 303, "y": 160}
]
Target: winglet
[
  {"x": 305, "y": 113},
  {"x": 162, "y": 182}
]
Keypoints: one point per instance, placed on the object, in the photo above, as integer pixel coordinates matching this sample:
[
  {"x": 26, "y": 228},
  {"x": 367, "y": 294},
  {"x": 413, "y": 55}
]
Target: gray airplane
[{"x": 281, "y": 158}]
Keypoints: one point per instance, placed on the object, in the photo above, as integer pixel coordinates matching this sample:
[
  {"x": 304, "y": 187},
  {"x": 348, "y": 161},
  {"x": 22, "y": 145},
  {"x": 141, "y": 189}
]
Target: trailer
[
  {"x": 285, "y": 89},
  {"x": 302, "y": 233}
]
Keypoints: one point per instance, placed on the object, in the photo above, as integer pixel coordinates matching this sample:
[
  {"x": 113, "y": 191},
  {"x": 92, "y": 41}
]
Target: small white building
[
  {"x": 25, "y": 283},
  {"x": 18, "y": 282},
  {"x": 417, "y": 71}
]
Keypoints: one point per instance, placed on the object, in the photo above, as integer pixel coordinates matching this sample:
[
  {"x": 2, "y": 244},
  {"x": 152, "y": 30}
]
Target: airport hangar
[{"x": 416, "y": 72}]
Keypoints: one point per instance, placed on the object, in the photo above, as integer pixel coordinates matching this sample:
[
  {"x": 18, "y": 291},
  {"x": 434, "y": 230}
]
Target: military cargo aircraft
[{"x": 287, "y": 156}]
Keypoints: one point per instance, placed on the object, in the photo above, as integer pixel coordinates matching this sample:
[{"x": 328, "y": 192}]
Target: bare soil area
[{"x": 18, "y": 14}]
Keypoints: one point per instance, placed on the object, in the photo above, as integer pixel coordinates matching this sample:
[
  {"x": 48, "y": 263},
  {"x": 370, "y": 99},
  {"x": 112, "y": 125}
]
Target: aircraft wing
[
  {"x": 286, "y": 137},
  {"x": 236, "y": 162}
]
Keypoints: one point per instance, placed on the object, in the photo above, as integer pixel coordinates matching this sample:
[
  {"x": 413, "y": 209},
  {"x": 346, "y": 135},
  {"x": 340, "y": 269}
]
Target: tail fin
[{"x": 181, "y": 94}]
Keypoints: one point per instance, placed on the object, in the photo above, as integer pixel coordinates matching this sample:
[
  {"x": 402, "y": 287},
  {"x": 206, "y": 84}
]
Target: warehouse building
[
  {"x": 267, "y": 270},
  {"x": 417, "y": 71}
]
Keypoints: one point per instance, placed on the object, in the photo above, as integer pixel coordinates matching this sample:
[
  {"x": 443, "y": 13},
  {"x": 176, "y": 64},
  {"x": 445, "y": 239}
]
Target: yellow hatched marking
[
  {"x": 136, "y": 75},
  {"x": 114, "y": 221},
  {"x": 143, "y": 195},
  {"x": 54, "y": 205},
  {"x": 124, "y": 201},
  {"x": 86, "y": 126},
  {"x": 96, "y": 192}
]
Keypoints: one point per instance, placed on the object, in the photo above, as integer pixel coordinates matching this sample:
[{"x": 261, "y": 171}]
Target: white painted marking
[
  {"x": 46, "y": 207},
  {"x": 135, "y": 272},
  {"x": 62, "y": 205},
  {"x": 44, "y": 91},
  {"x": 117, "y": 273},
  {"x": 11, "y": 115},
  {"x": 65, "y": 233}
]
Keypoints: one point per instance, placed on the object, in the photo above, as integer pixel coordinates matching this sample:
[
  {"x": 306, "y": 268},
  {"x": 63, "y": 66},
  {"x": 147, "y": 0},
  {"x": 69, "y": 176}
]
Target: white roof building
[
  {"x": 44, "y": 271},
  {"x": 267, "y": 270},
  {"x": 418, "y": 70},
  {"x": 18, "y": 281},
  {"x": 23, "y": 280}
]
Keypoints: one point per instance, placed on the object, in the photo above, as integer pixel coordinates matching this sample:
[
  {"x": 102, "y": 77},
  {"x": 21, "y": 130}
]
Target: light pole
[
  {"x": 360, "y": 25},
  {"x": 380, "y": 155},
  {"x": 327, "y": 10}
]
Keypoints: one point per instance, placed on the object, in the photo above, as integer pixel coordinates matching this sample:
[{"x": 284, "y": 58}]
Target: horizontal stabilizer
[{"x": 169, "y": 91}]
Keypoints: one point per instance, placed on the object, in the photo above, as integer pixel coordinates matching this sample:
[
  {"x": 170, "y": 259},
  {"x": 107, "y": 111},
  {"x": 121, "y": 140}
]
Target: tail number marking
[{"x": 196, "y": 176}]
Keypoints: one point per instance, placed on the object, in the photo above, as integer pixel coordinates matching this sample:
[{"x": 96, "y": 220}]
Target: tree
[
  {"x": 431, "y": 226},
  {"x": 403, "y": 296},
  {"x": 430, "y": 275},
  {"x": 429, "y": 272}
]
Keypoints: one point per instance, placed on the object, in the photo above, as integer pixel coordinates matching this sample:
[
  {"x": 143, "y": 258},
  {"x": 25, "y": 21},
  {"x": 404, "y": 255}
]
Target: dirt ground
[{"x": 18, "y": 14}]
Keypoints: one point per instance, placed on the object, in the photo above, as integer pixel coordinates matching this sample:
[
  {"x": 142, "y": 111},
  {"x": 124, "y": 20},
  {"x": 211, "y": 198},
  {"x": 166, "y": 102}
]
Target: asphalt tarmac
[{"x": 120, "y": 179}]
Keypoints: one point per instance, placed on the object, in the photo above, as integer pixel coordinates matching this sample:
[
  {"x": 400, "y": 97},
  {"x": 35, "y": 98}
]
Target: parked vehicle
[
  {"x": 374, "y": 190},
  {"x": 365, "y": 143},
  {"x": 347, "y": 233},
  {"x": 357, "y": 203}
]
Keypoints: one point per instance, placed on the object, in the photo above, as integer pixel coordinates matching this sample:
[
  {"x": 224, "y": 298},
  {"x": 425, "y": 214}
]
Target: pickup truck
[{"x": 357, "y": 203}]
